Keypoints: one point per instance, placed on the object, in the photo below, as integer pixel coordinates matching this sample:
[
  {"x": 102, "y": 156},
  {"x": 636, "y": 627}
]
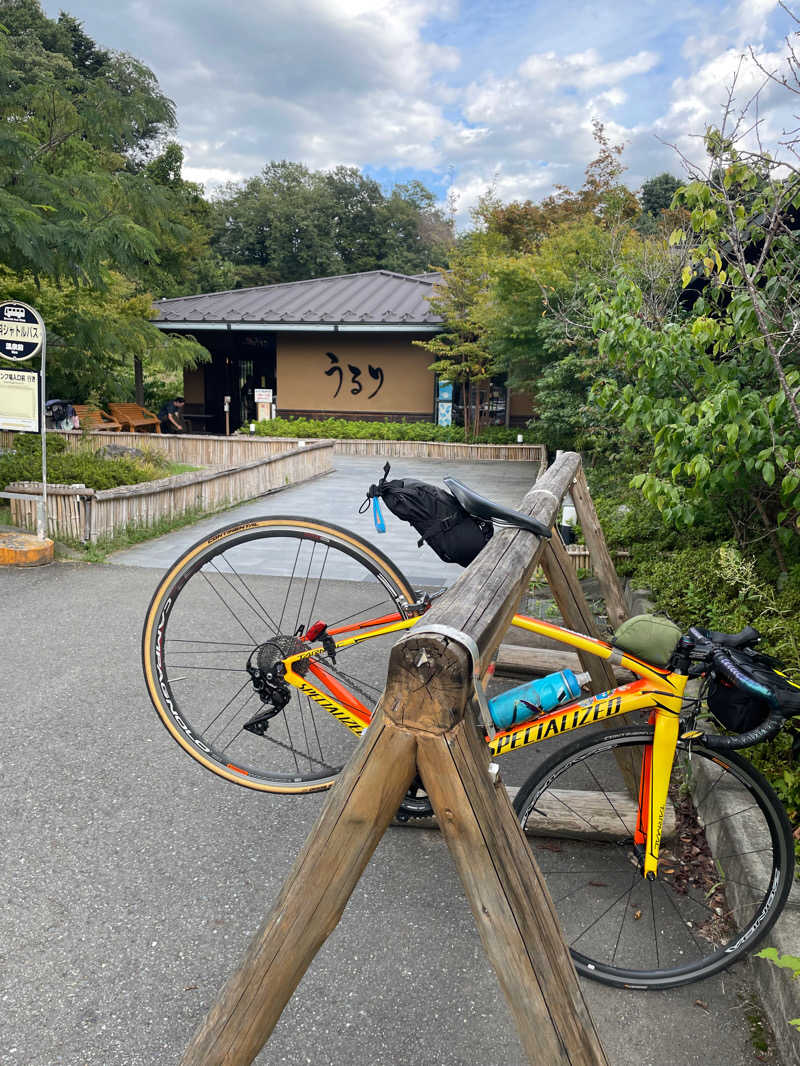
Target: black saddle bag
[{"x": 437, "y": 516}]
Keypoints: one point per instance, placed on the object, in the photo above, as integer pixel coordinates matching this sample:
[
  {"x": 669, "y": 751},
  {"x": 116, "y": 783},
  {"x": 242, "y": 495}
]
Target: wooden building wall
[{"x": 364, "y": 375}]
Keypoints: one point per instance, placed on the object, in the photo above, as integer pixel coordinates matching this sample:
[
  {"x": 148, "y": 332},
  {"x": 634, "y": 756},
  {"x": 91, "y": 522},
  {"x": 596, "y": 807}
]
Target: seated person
[{"x": 170, "y": 416}]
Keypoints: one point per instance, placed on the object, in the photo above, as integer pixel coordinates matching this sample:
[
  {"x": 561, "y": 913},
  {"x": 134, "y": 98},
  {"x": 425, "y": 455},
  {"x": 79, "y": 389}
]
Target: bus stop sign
[{"x": 21, "y": 331}]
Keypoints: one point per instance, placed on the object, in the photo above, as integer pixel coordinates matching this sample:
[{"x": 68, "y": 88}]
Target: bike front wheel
[
  {"x": 242, "y": 596},
  {"x": 725, "y": 866}
]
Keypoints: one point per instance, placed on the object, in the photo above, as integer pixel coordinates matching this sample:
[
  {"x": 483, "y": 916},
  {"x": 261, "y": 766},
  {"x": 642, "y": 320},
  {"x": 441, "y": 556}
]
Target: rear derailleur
[{"x": 267, "y": 672}]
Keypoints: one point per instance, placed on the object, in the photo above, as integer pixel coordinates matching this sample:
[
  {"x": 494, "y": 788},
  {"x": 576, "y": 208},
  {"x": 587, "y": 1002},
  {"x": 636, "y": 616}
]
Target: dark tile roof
[{"x": 379, "y": 297}]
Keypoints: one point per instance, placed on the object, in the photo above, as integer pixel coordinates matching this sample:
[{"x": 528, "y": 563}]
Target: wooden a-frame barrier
[{"x": 426, "y": 723}]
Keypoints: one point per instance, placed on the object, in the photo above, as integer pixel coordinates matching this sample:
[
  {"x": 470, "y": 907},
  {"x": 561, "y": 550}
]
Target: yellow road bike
[{"x": 668, "y": 856}]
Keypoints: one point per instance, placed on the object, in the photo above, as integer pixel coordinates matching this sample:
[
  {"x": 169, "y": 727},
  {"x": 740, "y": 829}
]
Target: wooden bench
[
  {"x": 95, "y": 418},
  {"x": 135, "y": 418}
]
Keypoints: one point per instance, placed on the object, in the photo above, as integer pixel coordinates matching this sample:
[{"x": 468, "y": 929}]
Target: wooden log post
[
  {"x": 604, "y": 568},
  {"x": 577, "y": 615},
  {"x": 426, "y": 724},
  {"x": 575, "y": 610},
  {"x": 360, "y": 807}
]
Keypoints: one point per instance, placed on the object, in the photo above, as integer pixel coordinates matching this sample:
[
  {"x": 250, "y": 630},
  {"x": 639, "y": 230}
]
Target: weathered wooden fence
[
  {"x": 181, "y": 447},
  {"x": 226, "y": 451},
  {"x": 393, "y": 449},
  {"x": 426, "y": 724},
  {"x": 78, "y": 513}
]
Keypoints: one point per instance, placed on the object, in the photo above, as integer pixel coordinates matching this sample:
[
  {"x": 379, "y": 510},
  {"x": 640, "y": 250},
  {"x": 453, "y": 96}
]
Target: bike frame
[{"x": 658, "y": 690}]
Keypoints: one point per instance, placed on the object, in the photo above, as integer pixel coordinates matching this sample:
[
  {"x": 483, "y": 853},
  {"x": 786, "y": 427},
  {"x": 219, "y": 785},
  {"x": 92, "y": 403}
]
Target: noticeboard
[
  {"x": 19, "y": 400},
  {"x": 21, "y": 331}
]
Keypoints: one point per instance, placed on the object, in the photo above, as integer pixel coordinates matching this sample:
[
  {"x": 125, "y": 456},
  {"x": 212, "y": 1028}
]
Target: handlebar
[
  {"x": 724, "y": 665},
  {"x": 742, "y": 639},
  {"x": 766, "y": 731},
  {"x": 727, "y": 668}
]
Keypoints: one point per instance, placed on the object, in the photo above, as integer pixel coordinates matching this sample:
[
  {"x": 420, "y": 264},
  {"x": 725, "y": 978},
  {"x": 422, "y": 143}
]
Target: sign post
[
  {"x": 263, "y": 398},
  {"x": 23, "y": 336}
]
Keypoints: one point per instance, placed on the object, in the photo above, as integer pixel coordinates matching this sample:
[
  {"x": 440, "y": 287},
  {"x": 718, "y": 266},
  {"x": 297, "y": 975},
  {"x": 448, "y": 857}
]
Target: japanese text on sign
[{"x": 336, "y": 371}]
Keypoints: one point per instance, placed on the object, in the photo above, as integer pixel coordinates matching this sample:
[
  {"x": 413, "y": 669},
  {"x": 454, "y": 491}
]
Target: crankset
[{"x": 416, "y": 803}]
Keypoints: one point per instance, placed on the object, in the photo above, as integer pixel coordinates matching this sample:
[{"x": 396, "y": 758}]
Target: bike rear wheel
[
  {"x": 245, "y": 592},
  {"x": 725, "y": 867}
]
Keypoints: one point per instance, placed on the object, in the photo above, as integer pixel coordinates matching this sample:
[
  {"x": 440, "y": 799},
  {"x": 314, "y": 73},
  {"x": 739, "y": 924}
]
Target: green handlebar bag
[{"x": 650, "y": 637}]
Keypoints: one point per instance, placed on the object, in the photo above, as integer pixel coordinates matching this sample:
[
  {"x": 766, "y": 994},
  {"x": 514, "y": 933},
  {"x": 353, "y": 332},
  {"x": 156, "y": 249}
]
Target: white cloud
[
  {"x": 584, "y": 70},
  {"x": 505, "y": 94}
]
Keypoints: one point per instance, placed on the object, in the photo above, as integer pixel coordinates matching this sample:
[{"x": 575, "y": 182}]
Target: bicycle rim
[
  {"x": 224, "y": 600},
  {"x": 725, "y": 865}
]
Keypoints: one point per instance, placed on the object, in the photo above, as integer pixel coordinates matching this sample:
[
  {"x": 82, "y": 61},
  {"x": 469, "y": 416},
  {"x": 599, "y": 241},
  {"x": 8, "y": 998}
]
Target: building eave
[{"x": 302, "y": 327}]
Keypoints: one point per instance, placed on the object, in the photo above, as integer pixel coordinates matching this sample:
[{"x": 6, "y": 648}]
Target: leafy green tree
[
  {"x": 537, "y": 322},
  {"x": 94, "y": 336},
  {"x": 75, "y": 124},
  {"x": 718, "y": 388},
  {"x": 657, "y": 193},
  {"x": 721, "y": 430},
  {"x": 414, "y": 233},
  {"x": 82, "y": 219},
  {"x": 291, "y": 223},
  {"x": 523, "y": 225},
  {"x": 184, "y": 262},
  {"x": 460, "y": 352}
]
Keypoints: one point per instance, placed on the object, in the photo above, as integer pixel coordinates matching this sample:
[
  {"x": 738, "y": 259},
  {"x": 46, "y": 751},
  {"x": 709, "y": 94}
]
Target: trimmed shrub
[
  {"x": 86, "y": 467},
  {"x": 344, "y": 429}
]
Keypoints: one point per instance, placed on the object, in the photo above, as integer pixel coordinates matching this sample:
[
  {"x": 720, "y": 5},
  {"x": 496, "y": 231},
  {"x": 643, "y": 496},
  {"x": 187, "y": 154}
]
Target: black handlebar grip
[
  {"x": 765, "y": 731},
  {"x": 742, "y": 639}
]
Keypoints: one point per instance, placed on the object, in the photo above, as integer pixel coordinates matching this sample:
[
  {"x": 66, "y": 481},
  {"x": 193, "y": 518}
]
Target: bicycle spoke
[
  {"x": 599, "y": 918},
  {"x": 655, "y": 930},
  {"x": 628, "y": 831},
  {"x": 228, "y": 607},
  {"x": 316, "y": 593},
  {"x": 622, "y": 922},
  {"x": 689, "y": 922}
]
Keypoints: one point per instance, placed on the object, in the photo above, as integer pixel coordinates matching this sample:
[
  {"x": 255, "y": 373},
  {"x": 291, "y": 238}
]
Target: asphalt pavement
[{"x": 132, "y": 879}]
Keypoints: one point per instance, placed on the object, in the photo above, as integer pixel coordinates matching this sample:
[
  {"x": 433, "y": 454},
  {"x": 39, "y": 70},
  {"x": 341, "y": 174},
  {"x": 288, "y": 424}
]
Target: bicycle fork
[{"x": 654, "y": 779}]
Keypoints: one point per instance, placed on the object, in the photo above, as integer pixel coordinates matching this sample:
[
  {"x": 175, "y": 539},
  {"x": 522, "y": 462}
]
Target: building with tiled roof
[{"x": 340, "y": 346}]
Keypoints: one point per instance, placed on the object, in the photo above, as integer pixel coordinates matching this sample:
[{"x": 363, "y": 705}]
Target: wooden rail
[
  {"x": 425, "y": 724},
  {"x": 225, "y": 451},
  {"x": 181, "y": 447},
  {"x": 77, "y": 513},
  {"x": 410, "y": 449}
]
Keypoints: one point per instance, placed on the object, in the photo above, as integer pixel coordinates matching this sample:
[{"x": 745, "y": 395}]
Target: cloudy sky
[{"x": 462, "y": 95}]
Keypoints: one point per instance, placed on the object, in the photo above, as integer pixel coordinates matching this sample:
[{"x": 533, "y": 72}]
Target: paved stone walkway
[{"x": 336, "y": 498}]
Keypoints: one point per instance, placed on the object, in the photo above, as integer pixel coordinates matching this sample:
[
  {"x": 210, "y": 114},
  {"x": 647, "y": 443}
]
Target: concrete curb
[{"x": 779, "y": 992}]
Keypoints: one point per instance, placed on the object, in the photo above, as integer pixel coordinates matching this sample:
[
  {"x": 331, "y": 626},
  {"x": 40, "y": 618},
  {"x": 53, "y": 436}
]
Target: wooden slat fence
[
  {"x": 84, "y": 514},
  {"x": 228, "y": 451},
  {"x": 409, "y": 449},
  {"x": 581, "y": 558}
]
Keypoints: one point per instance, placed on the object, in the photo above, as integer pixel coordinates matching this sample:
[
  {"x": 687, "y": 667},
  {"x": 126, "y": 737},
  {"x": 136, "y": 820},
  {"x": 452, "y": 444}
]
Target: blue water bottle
[{"x": 535, "y": 698}]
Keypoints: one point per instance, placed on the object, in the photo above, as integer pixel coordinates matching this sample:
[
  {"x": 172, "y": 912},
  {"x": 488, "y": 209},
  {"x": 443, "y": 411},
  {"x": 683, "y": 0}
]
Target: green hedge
[
  {"x": 24, "y": 463},
  {"x": 344, "y": 429}
]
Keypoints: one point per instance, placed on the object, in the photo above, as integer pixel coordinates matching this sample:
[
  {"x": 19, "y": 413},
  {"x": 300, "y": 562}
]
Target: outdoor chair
[{"x": 135, "y": 418}]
